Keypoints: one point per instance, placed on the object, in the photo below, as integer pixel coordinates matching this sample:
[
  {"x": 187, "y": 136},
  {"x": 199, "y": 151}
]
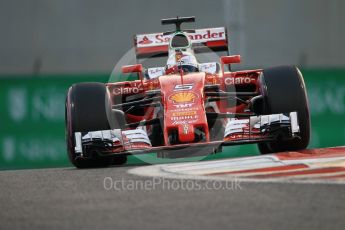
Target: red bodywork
[{"x": 183, "y": 98}]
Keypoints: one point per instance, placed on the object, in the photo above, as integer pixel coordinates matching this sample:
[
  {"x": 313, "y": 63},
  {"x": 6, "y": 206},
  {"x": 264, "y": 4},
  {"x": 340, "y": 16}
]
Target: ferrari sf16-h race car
[{"x": 186, "y": 108}]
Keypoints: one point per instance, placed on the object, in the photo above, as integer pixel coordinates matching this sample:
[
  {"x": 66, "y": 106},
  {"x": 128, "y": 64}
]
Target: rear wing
[{"x": 203, "y": 40}]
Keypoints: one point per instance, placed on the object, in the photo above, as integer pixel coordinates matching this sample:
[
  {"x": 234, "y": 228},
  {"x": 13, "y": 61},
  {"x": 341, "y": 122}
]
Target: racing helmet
[{"x": 182, "y": 60}]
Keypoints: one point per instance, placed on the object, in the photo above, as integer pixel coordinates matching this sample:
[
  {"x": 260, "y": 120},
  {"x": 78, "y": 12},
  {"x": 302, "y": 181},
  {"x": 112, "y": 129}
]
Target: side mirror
[
  {"x": 226, "y": 60},
  {"x": 138, "y": 68}
]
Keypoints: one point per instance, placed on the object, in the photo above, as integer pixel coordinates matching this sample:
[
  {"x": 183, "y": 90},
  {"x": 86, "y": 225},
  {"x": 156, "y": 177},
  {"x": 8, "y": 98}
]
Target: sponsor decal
[
  {"x": 239, "y": 80},
  {"x": 128, "y": 90},
  {"x": 184, "y": 109},
  {"x": 184, "y": 122},
  {"x": 183, "y": 97},
  {"x": 155, "y": 72},
  {"x": 183, "y": 106},
  {"x": 183, "y": 87},
  {"x": 145, "y": 40},
  {"x": 186, "y": 113},
  {"x": 208, "y": 67},
  {"x": 185, "y": 129},
  {"x": 207, "y": 34},
  {"x": 200, "y": 35},
  {"x": 184, "y": 118}
]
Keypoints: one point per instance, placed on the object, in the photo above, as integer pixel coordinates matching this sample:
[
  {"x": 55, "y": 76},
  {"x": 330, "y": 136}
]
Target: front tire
[
  {"x": 284, "y": 91},
  {"x": 85, "y": 111}
]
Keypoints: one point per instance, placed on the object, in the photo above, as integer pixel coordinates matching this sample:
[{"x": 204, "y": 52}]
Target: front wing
[{"x": 256, "y": 129}]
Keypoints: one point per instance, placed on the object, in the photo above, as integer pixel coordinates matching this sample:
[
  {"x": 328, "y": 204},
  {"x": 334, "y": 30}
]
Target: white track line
[
  {"x": 156, "y": 171},
  {"x": 202, "y": 170}
]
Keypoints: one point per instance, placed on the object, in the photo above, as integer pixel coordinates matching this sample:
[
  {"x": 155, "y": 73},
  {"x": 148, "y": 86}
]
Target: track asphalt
[{"x": 110, "y": 198}]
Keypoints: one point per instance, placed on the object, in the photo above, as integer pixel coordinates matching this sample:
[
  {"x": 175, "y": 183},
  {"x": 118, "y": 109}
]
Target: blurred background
[{"x": 46, "y": 45}]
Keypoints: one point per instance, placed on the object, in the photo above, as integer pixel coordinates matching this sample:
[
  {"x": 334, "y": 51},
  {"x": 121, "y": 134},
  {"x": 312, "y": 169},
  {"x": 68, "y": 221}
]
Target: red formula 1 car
[{"x": 186, "y": 107}]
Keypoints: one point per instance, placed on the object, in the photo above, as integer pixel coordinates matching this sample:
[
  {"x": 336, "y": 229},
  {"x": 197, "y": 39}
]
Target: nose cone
[
  {"x": 186, "y": 133},
  {"x": 184, "y": 109}
]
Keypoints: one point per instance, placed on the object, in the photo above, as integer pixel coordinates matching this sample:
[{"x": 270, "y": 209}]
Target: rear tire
[
  {"x": 85, "y": 111},
  {"x": 284, "y": 91}
]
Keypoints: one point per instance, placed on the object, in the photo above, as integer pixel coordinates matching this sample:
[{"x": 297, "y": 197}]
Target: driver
[{"x": 181, "y": 60}]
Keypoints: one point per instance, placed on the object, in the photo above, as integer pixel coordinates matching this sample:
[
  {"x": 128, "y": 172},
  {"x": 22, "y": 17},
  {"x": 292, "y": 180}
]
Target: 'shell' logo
[
  {"x": 183, "y": 97},
  {"x": 145, "y": 41}
]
